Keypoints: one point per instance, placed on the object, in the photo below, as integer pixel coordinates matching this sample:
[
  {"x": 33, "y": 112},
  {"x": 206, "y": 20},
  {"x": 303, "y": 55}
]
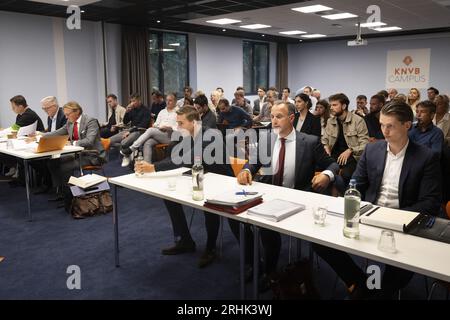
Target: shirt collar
[
  {"x": 79, "y": 119},
  {"x": 401, "y": 153},
  {"x": 290, "y": 136}
]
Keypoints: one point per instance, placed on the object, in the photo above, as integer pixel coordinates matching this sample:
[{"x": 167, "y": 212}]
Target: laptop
[{"x": 51, "y": 143}]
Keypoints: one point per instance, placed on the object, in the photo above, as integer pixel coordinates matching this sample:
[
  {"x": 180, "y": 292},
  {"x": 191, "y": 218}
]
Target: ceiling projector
[{"x": 358, "y": 41}]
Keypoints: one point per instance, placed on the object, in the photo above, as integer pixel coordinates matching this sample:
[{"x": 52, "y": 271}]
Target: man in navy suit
[
  {"x": 292, "y": 160},
  {"x": 56, "y": 118},
  {"x": 395, "y": 173}
]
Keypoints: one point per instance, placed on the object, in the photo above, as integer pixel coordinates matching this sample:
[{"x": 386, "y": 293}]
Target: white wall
[
  {"x": 217, "y": 61},
  {"x": 333, "y": 67},
  {"x": 39, "y": 56}
]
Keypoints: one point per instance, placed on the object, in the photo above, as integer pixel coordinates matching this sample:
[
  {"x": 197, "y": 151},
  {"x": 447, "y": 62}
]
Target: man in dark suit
[
  {"x": 194, "y": 141},
  {"x": 56, "y": 118},
  {"x": 396, "y": 173},
  {"x": 83, "y": 131},
  {"x": 294, "y": 157}
]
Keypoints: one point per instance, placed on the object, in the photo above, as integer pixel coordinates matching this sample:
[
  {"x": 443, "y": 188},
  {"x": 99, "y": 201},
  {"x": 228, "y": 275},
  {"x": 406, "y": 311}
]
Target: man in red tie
[{"x": 294, "y": 157}]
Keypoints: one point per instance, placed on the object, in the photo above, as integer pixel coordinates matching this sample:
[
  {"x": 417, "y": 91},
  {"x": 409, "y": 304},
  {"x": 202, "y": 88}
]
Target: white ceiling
[{"x": 407, "y": 14}]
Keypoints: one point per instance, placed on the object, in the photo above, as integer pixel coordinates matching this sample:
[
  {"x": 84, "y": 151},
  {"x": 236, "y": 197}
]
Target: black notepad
[{"x": 439, "y": 231}]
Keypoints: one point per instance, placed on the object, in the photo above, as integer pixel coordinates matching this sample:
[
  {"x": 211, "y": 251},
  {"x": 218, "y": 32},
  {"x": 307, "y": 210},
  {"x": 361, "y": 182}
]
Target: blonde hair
[{"x": 73, "y": 106}]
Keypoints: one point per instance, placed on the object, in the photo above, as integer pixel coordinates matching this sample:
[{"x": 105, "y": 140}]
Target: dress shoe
[
  {"x": 207, "y": 258},
  {"x": 179, "y": 248}
]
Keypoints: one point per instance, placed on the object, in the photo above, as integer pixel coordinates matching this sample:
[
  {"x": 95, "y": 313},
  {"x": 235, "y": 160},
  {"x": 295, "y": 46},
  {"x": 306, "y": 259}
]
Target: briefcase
[{"x": 91, "y": 204}]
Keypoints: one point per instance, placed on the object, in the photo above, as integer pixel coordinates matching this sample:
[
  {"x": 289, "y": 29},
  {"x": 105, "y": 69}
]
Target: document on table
[
  {"x": 336, "y": 205},
  {"x": 166, "y": 173},
  {"x": 394, "y": 219},
  {"x": 27, "y": 130},
  {"x": 276, "y": 210}
]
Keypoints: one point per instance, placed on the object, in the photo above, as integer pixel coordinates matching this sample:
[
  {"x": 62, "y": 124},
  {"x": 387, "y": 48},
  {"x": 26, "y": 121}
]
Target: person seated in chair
[{"x": 395, "y": 173}]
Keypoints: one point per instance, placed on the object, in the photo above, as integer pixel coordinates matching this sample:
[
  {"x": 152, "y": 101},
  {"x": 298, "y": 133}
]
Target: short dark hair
[
  {"x": 188, "y": 88},
  {"x": 305, "y": 98},
  {"x": 290, "y": 106},
  {"x": 430, "y": 105},
  {"x": 436, "y": 91},
  {"x": 383, "y": 93},
  {"x": 310, "y": 89},
  {"x": 401, "y": 110},
  {"x": 224, "y": 101},
  {"x": 342, "y": 98},
  {"x": 201, "y": 100},
  {"x": 239, "y": 88},
  {"x": 289, "y": 90},
  {"x": 262, "y": 88},
  {"x": 19, "y": 100},
  {"x": 361, "y": 96},
  {"x": 111, "y": 95},
  {"x": 379, "y": 97},
  {"x": 190, "y": 112},
  {"x": 136, "y": 96},
  {"x": 157, "y": 93}
]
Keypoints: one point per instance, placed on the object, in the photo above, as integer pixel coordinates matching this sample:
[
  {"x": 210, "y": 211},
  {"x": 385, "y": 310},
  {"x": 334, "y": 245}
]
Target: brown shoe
[{"x": 179, "y": 248}]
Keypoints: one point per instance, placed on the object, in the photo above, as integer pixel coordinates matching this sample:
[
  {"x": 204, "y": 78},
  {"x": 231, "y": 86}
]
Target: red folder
[{"x": 233, "y": 209}]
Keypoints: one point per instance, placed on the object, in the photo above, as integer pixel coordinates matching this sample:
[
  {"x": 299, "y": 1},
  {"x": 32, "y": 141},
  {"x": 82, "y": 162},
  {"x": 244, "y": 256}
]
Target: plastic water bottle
[
  {"x": 139, "y": 159},
  {"x": 352, "y": 200},
  {"x": 197, "y": 179}
]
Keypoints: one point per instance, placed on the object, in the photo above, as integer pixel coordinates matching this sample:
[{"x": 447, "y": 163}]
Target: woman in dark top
[
  {"x": 323, "y": 112},
  {"x": 304, "y": 120}
]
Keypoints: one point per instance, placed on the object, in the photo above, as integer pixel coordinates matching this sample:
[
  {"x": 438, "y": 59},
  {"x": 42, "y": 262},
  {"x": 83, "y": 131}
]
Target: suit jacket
[
  {"x": 311, "y": 125},
  {"x": 60, "y": 120},
  {"x": 420, "y": 177},
  {"x": 183, "y": 150},
  {"x": 257, "y": 106},
  {"x": 310, "y": 155},
  {"x": 89, "y": 138}
]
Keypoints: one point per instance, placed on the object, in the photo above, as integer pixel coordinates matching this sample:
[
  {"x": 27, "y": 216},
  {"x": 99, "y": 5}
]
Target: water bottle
[
  {"x": 352, "y": 200},
  {"x": 139, "y": 159},
  {"x": 197, "y": 179}
]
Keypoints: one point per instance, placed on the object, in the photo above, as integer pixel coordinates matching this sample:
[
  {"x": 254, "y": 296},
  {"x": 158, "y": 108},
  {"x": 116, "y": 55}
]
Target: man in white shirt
[
  {"x": 285, "y": 95},
  {"x": 161, "y": 132},
  {"x": 396, "y": 173},
  {"x": 187, "y": 94}
]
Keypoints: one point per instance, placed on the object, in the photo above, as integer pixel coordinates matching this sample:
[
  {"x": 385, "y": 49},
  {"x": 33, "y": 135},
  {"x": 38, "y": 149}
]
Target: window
[
  {"x": 168, "y": 62},
  {"x": 256, "y": 66}
]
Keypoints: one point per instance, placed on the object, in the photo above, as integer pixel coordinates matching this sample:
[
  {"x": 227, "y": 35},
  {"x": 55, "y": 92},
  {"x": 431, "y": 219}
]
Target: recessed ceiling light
[
  {"x": 223, "y": 21},
  {"x": 224, "y": 30},
  {"x": 82, "y": 11},
  {"x": 167, "y": 50},
  {"x": 315, "y": 35},
  {"x": 293, "y": 32},
  {"x": 263, "y": 35},
  {"x": 255, "y": 26},
  {"x": 174, "y": 44},
  {"x": 338, "y": 16},
  {"x": 158, "y": 21},
  {"x": 372, "y": 24},
  {"x": 312, "y": 9},
  {"x": 388, "y": 29}
]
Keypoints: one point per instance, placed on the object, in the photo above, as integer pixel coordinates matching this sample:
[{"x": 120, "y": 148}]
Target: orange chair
[
  {"x": 447, "y": 209},
  {"x": 161, "y": 151},
  {"x": 106, "y": 143}
]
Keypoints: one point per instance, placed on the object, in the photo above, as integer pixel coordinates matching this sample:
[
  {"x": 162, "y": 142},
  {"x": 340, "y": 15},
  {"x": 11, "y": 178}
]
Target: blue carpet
[{"x": 37, "y": 254}]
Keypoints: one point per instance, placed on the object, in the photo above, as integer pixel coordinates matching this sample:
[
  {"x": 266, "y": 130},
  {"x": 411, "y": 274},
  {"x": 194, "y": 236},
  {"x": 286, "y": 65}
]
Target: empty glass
[
  {"x": 387, "y": 241},
  {"x": 172, "y": 183},
  {"x": 319, "y": 214}
]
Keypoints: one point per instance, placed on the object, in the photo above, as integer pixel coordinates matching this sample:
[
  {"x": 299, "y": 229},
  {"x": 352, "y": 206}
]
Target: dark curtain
[
  {"x": 135, "y": 63},
  {"x": 282, "y": 66}
]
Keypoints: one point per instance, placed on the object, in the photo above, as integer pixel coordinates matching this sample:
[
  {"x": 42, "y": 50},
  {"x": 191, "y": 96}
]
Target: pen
[{"x": 245, "y": 193}]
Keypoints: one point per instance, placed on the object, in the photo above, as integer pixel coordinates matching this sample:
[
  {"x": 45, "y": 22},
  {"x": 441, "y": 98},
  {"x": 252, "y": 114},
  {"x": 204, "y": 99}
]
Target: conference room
[{"x": 98, "y": 94}]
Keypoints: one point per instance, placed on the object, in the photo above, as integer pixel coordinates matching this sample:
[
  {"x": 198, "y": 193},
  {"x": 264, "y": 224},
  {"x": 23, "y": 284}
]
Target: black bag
[
  {"x": 91, "y": 204},
  {"x": 294, "y": 282}
]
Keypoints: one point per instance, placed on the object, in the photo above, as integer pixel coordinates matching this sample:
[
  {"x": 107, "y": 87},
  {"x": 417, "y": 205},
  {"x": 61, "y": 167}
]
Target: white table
[
  {"x": 28, "y": 155},
  {"x": 431, "y": 258}
]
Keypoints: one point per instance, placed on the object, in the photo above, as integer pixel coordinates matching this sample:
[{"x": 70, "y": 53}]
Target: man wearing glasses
[{"x": 56, "y": 118}]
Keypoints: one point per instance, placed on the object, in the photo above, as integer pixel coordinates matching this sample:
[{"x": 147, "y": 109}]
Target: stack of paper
[
  {"x": 276, "y": 210},
  {"x": 86, "y": 181},
  {"x": 388, "y": 218},
  {"x": 233, "y": 201}
]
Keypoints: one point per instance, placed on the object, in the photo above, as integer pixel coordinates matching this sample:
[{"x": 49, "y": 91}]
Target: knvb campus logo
[{"x": 73, "y": 22}]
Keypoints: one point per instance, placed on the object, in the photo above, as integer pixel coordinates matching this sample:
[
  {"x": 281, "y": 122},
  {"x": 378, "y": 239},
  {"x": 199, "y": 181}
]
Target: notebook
[
  {"x": 276, "y": 210},
  {"x": 388, "y": 218},
  {"x": 51, "y": 143}
]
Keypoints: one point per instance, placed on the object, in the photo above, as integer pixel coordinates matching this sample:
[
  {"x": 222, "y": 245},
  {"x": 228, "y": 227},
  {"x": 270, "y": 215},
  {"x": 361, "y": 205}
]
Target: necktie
[
  {"x": 75, "y": 131},
  {"x": 278, "y": 177}
]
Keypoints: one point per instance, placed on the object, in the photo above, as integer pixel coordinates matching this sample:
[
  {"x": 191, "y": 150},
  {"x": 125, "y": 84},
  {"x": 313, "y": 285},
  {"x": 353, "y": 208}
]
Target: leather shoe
[
  {"x": 179, "y": 248},
  {"x": 207, "y": 258}
]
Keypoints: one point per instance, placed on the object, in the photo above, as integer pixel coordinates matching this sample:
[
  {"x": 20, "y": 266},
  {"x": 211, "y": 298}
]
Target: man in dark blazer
[
  {"x": 293, "y": 158},
  {"x": 395, "y": 173},
  {"x": 83, "y": 131},
  {"x": 56, "y": 118},
  {"x": 195, "y": 139}
]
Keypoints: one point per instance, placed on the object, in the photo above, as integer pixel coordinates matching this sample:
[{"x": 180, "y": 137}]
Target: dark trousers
[
  {"x": 270, "y": 240},
  {"x": 346, "y": 171},
  {"x": 105, "y": 132},
  {"x": 393, "y": 279},
  {"x": 181, "y": 229}
]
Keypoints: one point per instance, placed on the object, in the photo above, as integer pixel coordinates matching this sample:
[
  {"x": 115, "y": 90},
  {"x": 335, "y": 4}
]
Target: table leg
[
  {"x": 116, "y": 226},
  {"x": 242, "y": 258},
  {"x": 27, "y": 187}
]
